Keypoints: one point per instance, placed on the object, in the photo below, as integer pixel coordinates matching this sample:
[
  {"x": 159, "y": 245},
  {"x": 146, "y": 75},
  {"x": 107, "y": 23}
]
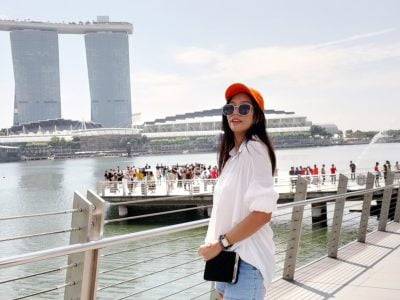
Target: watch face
[{"x": 225, "y": 242}]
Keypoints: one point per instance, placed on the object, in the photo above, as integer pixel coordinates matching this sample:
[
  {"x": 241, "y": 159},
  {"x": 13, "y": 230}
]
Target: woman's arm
[{"x": 251, "y": 224}]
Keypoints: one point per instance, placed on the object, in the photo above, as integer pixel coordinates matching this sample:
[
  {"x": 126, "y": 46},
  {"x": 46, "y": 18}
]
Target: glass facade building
[
  {"x": 37, "y": 75},
  {"x": 107, "y": 56}
]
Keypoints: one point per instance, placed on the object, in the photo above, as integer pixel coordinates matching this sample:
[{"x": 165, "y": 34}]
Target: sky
[{"x": 332, "y": 61}]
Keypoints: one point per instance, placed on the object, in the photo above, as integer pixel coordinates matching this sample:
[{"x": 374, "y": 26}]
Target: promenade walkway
[{"x": 368, "y": 270}]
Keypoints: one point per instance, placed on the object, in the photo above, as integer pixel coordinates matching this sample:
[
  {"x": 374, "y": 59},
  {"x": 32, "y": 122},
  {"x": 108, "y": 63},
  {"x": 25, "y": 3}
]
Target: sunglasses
[{"x": 243, "y": 109}]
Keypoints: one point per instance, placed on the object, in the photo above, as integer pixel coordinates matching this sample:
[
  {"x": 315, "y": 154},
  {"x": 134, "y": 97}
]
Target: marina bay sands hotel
[{"x": 35, "y": 58}]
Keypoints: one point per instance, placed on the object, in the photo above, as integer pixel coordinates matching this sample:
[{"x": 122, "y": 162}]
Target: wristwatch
[{"x": 224, "y": 241}]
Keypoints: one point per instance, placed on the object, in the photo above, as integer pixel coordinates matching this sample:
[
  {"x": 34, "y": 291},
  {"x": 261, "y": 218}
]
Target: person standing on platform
[
  {"x": 389, "y": 166},
  {"x": 315, "y": 173},
  {"x": 297, "y": 171},
  {"x": 205, "y": 175},
  {"x": 315, "y": 170},
  {"x": 323, "y": 172},
  {"x": 377, "y": 174},
  {"x": 302, "y": 171},
  {"x": 309, "y": 173},
  {"x": 333, "y": 174},
  {"x": 244, "y": 196},
  {"x": 352, "y": 170},
  {"x": 214, "y": 173},
  {"x": 293, "y": 179},
  {"x": 385, "y": 170}
]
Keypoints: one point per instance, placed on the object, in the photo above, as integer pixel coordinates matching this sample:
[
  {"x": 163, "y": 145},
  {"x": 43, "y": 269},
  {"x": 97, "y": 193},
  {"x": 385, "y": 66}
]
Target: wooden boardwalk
[{"x": 368, "y": 270}]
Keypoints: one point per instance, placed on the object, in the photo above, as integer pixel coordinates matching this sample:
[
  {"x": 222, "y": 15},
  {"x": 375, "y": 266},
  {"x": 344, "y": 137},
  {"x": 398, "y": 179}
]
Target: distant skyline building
[
  {"x": 37, "y": 75},
  {"x": 107, "y": 56},
  {"x": 208, "y": 123}
]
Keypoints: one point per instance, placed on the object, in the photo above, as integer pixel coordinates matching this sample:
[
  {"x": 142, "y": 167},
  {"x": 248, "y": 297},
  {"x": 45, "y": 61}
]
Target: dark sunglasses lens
[
  {"x": 244, "y": 109},
  {"x": 228, "y": 109}
]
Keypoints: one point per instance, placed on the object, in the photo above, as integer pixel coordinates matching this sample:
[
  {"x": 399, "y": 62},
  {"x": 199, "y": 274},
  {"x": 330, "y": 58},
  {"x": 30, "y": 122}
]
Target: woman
[{"x": 244, "y": 196}]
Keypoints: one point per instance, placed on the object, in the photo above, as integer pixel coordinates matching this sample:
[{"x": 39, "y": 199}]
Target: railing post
[
  {"x": 295, "y": 230},
  {"x": 387, "y": 197},
  {"x": 337, "y": 217},
  {"x": 95, "y": 234},
  {"x": 397, "y": 210},
  {"x": 143, "y": 188},
  {"x": 103, "y": 189},
  {"x": 124, "y": 183},
  {"x": 99, "y": 187},
  {"x": 366, "y": 208},
  {"x": 78, "y": 274}
]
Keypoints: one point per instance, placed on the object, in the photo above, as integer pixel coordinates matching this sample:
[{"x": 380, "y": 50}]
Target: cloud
[
  {"x": 289, "y": 65},
  {"x": 193, "y": 56},
  {"x": 358, "y": 37},
  {"x": 296, "y": 76},
  {"x": 157, "y": 94}
]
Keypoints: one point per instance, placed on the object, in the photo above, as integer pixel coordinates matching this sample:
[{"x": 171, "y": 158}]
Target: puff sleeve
[{"x": 260, "y": 194}]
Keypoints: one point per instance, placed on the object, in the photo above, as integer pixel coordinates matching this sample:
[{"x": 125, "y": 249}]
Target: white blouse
[{"x": 246, "y": 185}]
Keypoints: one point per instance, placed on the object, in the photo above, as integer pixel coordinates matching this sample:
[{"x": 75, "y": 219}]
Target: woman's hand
[{"x": 210, "y": 251}]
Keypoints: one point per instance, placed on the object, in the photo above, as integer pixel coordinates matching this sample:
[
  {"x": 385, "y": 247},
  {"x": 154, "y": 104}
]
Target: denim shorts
[{"x": 250, "y": 285}]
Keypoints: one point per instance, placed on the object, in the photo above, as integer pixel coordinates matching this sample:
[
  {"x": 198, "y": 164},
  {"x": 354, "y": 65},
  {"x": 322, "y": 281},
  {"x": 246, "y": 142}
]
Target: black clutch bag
[{"x": 223, "y": 268}]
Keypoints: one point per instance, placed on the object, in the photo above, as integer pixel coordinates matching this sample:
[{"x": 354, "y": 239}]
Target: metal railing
[
  {"x": 20, "y": 281},
  {"x": 96, "y": 270},
  {"x": 147, "y": 187}
]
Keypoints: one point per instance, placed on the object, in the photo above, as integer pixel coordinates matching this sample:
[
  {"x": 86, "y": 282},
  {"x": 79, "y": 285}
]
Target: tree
[
  {"x": 318, "y": 130},
  {"x": 54, "y": 141},
  {"x": 349, "y": 133},
  {"x": 63, "y": 142}
]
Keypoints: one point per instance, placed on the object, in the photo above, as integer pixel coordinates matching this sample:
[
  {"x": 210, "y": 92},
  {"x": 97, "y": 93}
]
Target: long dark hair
[{"x": 227, "y": 141}]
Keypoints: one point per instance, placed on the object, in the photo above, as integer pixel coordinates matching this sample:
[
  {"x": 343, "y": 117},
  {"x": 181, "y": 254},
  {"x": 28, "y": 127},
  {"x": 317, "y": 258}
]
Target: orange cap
[{"x": 237, "y": 88}]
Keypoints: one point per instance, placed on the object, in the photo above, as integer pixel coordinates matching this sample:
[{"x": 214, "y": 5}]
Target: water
[{"x": 37, "y": 186}]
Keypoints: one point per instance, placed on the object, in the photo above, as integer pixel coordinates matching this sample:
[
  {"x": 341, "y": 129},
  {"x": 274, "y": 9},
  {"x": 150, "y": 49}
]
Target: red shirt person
[
  {"x": 333, "y": 174},
  {"x": 214, "y": 173},
  {"x": 333, "y": 169},
  {"x": 315, "y": 170}
]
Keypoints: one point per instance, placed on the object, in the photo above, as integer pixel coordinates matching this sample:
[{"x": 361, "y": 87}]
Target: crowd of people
[
  {"x": 181, "y": 176},
  {"x": 387, "y": 167},
  {"x": 175, "y": 172},
  {"x": 314, "y": 173}
]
